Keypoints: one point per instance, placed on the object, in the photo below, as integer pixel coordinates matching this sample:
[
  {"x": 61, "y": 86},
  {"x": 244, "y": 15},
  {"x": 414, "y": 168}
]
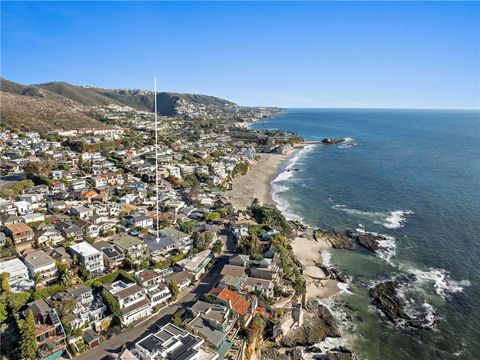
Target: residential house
[
  {"x": 41, "y": 266},
  {"x": 89, "y": 230},
  {"x": 196, "y": 265},
  {"x": 82, "y": 212},
  {"x": 69, "y": 231},
  {"x": 130, "y": 244},
  {"x": 172, "y": 343},
  {"x": 264, "y": 269},
  {"x": 139, "y": 220},
  {"x": 112, "y": 255},
  {"x": 152, "y": 282},
  {"x": 18, "y": 278},
  {"x": 21, "y": 235},
  {"x": 31, "y": 218},
  {"x": 49, "y": 332},
  {"x": 239, "y": 260},
  {"x": 245, "y": 309},
  {"x": 182, "y": 241},
  {"x": 181, "y": 278},
  {"x": 132, "y": 299},
  {"x": 23, "y": 207},
  {"x": 60, "y": 254},
  {"x": 265, "y": 287},
  {"x": 90, "y": 257},
  {"x": 212, "y": 322},
  {"x": 88, "y": 309}
]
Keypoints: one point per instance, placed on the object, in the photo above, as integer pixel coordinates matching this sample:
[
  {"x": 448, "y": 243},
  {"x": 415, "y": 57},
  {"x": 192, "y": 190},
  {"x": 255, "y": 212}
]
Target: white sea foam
[
  {"x": 347, "y": 326},
  {"x": 388, "y": 246},
  {"x": 344, "y": 288},
  {"x": 396, "y": 219},
  {"x": 388, "y": 219},
  {"x": 278, "y": 186},
  {"x": 443, "y": 284},
  {"x": 347, "y": 143},
  {"x": 326, "y": 257}
]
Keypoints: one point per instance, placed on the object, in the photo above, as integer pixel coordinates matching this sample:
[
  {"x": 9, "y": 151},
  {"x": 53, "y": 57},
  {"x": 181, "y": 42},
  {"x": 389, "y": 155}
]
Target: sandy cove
[
  {"x": 309, "y": 253},
  {"x": 256, "y": 184}
]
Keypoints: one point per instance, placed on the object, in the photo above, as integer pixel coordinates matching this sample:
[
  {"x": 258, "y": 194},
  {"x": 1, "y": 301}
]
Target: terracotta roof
[
  {"x": 18, "y": 228},
  {"x": 238, "y": 303}
]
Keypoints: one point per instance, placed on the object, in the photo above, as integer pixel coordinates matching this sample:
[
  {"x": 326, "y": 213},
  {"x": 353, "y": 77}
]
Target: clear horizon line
[{"x": 365, "y": 108}]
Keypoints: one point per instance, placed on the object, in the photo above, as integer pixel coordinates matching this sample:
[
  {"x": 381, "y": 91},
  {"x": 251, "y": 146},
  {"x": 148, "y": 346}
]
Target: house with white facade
[
  {"x": 18, "y": 278},
  {"x": 133, "y": 301},
  {"x": 88, "y": 256},
  {"x": 152, "y": 282},
  {"x": 42, "y": 266}
]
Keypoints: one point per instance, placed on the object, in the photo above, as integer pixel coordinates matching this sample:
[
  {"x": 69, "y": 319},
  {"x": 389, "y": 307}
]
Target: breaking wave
[
  {"x": 388, "y": 245},
  {"x": 388, "y": 219},
  {"x": 276, "y": 186},
  {"x": 442, "y": 283}
]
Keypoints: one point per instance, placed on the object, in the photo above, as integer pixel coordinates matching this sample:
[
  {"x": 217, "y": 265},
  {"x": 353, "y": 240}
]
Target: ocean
[{"x": 413, "y": 175}]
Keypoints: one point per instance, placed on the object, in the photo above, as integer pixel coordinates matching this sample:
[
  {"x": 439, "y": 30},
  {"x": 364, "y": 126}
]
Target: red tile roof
[{"x": 238, "y": 303}]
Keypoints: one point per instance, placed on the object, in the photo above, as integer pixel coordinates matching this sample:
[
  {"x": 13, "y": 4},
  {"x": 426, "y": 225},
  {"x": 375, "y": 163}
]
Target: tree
[
  {"x": 3, "y": 310},
  {"x": 218, "y": 246},
  {"x": 255, "y": 330},
  {"x": 210, "y": 298},
  {"x": 174, "y": 289},
  {"x": 17, "y": 300},
  {"x": 28, "y": 343},
  {"x": 111, "y": 303},
  {"x": 187, "y": 226},
  {"x": 64, "y": 274},
  {"x": 249, "y": 245},
  {"x": 201, "y": 240},
  {"x": 5, "y": 283}
]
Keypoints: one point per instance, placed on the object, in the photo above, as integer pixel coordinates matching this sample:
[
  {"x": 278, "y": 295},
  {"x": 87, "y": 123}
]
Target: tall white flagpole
[{"x": 156, "y": 150}]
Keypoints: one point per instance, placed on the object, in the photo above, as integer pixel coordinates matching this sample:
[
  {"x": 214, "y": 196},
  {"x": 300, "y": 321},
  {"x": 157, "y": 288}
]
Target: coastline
[{"x": 256, "y": 183}]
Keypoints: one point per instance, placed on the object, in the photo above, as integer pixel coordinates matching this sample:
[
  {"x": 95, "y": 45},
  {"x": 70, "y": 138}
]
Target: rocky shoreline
[{"x": 319, "y": 324}]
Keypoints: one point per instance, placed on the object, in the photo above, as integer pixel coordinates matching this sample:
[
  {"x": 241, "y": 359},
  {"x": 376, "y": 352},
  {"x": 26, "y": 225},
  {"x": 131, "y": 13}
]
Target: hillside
[
  {"x": 52, "y": 105},
  {"x": 29, "y": 113},
  {"x": 82, "y": 95}
]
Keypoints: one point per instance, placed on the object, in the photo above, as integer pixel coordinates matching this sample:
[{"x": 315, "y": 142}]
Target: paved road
[{"x": 130, "y": 336}]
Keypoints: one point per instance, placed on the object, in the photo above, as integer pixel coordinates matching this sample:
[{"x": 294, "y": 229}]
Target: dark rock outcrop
[
  {"x": 341, "y": 353},
  {"x": 368, "y": 240},
  {"x": 335, "y": 239},
  {"x": 318, "y": 324},
  {"x": 385, "y": 296},
  {"x": 274, "y": 354},
  {"x": 328, "y": 141}
]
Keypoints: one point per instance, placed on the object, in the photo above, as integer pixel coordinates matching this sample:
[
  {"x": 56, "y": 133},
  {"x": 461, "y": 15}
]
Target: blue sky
[{"x": 292, "y": 54}]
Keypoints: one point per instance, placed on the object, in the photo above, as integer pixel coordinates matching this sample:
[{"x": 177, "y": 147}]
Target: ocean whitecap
[
  {"x": 388, "y": 219},
  {"x": 443, "y": 284}
]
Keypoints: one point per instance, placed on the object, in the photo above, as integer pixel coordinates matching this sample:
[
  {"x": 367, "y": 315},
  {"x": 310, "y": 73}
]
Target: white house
[
  {"x": 23, "y": 207},
  {"x": 132, "y": 299},
  {"x": 152, "y": 282},
  {"x": 35, "y": 217},
  {"x": 18, "y": 274},
  {"x": 89, "y": 256},
  {"x": 42, "y": 266},
  {"x": 82, "y": 212}
]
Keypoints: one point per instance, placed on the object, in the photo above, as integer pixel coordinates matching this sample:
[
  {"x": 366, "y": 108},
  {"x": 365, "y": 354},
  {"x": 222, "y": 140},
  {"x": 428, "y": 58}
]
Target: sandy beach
[
  {"x": 308, "y": 252},
  {"x": 256, "y": 183}
]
